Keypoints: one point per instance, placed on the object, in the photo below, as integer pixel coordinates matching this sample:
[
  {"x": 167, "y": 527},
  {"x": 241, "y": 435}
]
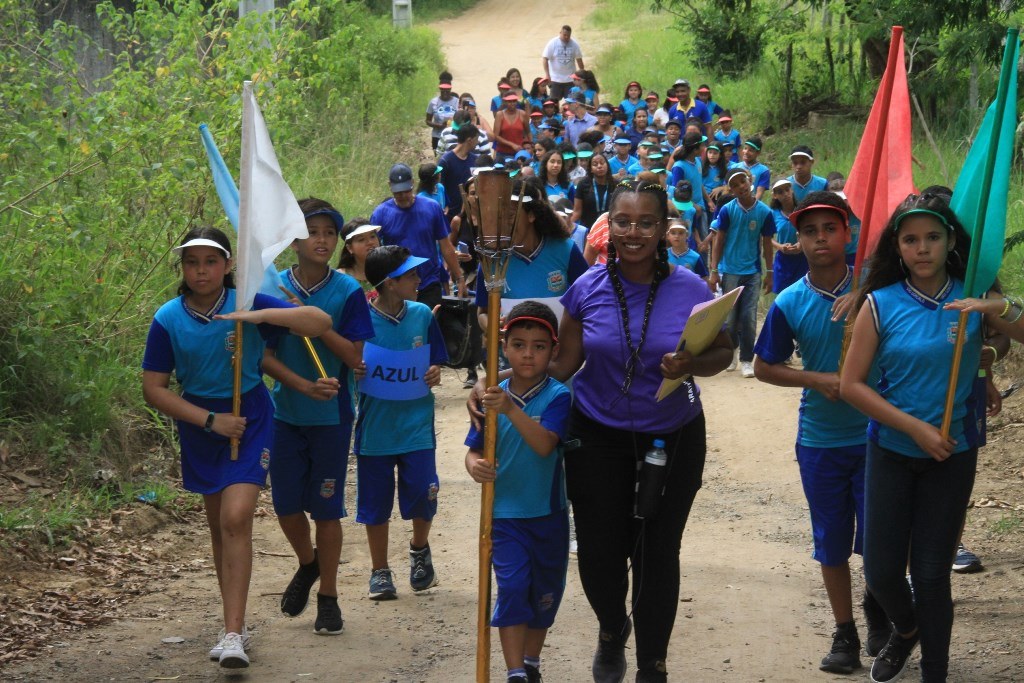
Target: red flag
[{"x": 881, "y": 176}]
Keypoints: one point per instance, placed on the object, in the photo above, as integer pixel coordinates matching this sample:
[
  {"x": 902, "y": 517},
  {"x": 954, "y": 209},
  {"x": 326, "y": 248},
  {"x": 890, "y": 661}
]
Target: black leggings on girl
[{"x": 600, "y": 476}]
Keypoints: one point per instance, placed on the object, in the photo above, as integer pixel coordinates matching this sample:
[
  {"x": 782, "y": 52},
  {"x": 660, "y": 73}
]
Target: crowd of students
[{"x": 633, "y": 213}]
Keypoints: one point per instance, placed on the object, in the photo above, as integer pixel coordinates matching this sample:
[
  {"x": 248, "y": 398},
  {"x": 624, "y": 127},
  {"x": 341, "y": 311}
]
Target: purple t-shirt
[{"x": 597, "y": 388}]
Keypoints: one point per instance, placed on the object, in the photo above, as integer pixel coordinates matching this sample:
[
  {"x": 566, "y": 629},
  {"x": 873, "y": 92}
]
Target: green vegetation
[
  {"x": 763, "y": 101},
  {"x": 102, "y": 178},
  {"x": 1012, "y": 523},
  {"x": 63, "y": 518}
]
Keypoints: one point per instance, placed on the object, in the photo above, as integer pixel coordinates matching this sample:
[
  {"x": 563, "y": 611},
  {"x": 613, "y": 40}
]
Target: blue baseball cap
[
  {"x": 408, "y": 264},
  {"x": 524, "y": 155},
  {"x": 339, "y": 222},
  {"x": 623, "y": 141}
]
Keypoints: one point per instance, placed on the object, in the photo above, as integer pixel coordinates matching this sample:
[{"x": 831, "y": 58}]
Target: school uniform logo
[
  {"x": 229, "y": 342},
  {"x": 327, "y": 488},
  {"x": 432, "y": 492},
  {"x": 265, "y": 459},
  {"x": 556, "y": 281},
  {"x": 752, "y": 226},
  {"x": 951, "y": 332},
  {"x": 546, "y": 602},
  {"x": 417, "y": 342}
]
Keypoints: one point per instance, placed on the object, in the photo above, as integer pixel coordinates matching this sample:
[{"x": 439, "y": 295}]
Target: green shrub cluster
[{"x": 101, "y": 178}]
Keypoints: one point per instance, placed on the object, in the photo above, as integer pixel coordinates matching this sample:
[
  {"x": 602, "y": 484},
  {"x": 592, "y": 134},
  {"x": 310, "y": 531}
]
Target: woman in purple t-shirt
[{"x": 624, "y": 321}]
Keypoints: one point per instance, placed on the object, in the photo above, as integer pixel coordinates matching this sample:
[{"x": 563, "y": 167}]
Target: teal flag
[
  {"x": 980, "y": 195},
  {"x": 227, "y": 191}
]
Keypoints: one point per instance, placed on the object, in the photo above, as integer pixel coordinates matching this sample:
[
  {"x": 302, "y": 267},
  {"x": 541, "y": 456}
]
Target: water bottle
[{"x": 651, "y": 481}]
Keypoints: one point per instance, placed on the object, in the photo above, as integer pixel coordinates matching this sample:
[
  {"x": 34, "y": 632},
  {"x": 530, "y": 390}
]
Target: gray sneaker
[
  {"x": 217, "y": 649},
  {"x": 421, "y": 570},
  {"x": 382, "y": 586}
]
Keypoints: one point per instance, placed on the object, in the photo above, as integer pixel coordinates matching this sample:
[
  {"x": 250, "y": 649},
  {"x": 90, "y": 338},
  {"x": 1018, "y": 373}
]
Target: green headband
[
  {"x": 748, "y": 142},
  {"x": 942, "y": 219}
]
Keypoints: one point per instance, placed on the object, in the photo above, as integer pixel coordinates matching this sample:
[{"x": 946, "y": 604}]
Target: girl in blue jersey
[
  {"x": 553, "y": 173},
  {"x": 918, "y": 482},
  {"x": 713, "y": 171},
  {"x": 585, "y": 82},
  {"x": 538, "y": 93},
  {"x": 790, "y": 264},
  {"x": 193, "y": 336},
  {"x": 430, "y": 184},
  {"x": 704, "y": 95},
  {"x": 631, "y": 100}
]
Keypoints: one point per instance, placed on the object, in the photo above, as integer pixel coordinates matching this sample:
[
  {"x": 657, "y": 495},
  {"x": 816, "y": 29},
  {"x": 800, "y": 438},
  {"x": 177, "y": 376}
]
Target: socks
[
  {"x": 513, "y": 673},
  {"x": 532, "y": 661}
]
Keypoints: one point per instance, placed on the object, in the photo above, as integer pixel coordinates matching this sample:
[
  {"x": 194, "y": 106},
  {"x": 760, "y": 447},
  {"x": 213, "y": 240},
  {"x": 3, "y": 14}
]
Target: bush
[{"x": 102, "y": 178}]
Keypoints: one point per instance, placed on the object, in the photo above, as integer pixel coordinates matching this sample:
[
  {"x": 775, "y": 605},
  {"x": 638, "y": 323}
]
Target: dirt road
[{"x": 751, "y": 608}]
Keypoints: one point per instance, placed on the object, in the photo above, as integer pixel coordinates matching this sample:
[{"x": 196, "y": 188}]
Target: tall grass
[{"x": 646, "y": 55}]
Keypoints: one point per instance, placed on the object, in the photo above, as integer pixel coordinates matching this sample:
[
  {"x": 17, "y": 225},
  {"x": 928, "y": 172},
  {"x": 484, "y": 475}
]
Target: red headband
[
  {"x": 793, "y": 217},
  {"x": 540, "y": 321}
]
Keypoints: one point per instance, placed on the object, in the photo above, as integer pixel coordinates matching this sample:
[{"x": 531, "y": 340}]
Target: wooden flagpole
[{"x": 972, "y": 260}]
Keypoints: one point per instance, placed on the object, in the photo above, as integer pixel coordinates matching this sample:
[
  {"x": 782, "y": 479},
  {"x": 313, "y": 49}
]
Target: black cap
[{"x": 400, "y": 178}]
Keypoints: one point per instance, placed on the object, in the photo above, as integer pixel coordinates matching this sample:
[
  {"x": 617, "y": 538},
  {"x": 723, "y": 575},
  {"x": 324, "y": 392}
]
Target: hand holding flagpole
[{"x": 980, "y": 204}]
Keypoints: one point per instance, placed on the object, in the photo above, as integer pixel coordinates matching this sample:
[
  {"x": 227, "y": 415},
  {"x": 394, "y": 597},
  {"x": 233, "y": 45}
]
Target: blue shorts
[
  {"x": 417, "y": 486},
  {"x": 531, "y": 557},
  {"x": 206, "y": 464},
  {"x": 307, "y": 472},
  {"x": 833, "y": 480}
]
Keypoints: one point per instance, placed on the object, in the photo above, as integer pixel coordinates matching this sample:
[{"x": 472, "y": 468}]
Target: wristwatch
[{"x": 209, "y": 421}]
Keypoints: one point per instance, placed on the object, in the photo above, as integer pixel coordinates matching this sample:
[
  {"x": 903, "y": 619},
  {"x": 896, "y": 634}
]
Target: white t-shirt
[{"x": 562, "y": 58}]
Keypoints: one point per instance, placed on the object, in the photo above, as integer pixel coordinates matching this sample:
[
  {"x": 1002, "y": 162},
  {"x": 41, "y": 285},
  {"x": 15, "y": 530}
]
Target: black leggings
[{"x": 600, "y": 476}]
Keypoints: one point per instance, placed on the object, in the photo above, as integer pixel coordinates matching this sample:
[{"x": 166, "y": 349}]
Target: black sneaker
[
  {"x": 296, "y": 595},
  {"x": 328, "y": 616},
  {"x": 892, "y": 660},
  {"x": 533, "y": 674},
  {"x": 652, "y": 672},
  {"x": 518, "y": 678},
  {"x": 609, "y": 665},
  {"x": 421, "y": 569},
  {"x": 844, "y": 656},
  {"x": 879, "y": 627}
]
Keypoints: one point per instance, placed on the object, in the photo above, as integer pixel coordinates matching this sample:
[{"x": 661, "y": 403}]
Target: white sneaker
[
  {"x": 748, "y": 369},
  {"x": 735, "y": 362},
  {"x": 233, "y": 655},
  {"x": 217, "y": 649}
]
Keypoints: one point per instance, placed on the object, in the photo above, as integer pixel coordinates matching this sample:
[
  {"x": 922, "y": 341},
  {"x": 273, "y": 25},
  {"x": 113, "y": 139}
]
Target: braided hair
[{"x": 661, "y": 271}]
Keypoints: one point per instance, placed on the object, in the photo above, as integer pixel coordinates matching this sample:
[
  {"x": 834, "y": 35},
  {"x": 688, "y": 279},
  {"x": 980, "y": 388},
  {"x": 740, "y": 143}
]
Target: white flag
[{"x": 269, "y": 217}]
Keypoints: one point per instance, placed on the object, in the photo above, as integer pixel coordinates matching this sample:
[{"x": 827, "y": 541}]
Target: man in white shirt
[{"x": 558, "y": 57}]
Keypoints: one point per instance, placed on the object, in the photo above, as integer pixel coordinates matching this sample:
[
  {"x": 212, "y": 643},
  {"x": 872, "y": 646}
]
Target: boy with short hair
[
  {"x": 743, "y": 228},
  {"x": 312, "y": 429},
  {"x": 832, "y": 434},
  {"x": 531, "y": 526},
  {"x": 761, "y": 175},
  {"x": 728, "y": 134},
  {"x": 619, "y": 164},
  {"x": 396, "y": 418},
  {"x": 679, "y": 251},
  {"x": 801, "y": 160}
]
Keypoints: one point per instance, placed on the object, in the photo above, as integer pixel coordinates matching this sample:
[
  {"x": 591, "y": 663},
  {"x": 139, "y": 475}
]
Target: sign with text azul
[{"x": 395, "y": 375}]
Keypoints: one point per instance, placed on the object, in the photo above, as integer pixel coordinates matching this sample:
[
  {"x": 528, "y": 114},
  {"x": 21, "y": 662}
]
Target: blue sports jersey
[
  {"x": 547, "y": 272},
  {"x": 198, "y": 349},
  {"x": 916, "y": 337},
  {"x": 438, "y": 195},
  {"x": 761, "y": 174},
  {"x": 815, "y": 184},
  {"x": 690, "y": 260},
  {"x": 690, "y": 170},
  {"x": 743, "y": 230},
  {"x": 615, "y": 164},
  {"x": 712, "y": 179},
  {"x": 417, "y": 228},
  {"x": 786, "y": 268},
  {"x": 732, "y": 136},
  {"x": 628, "y": 108},
  {"x": 802, "y": 313},
  {"x": 341, "y": 297},
  {"x": 388, "y": 427},
  {"x": 529, "y": 484}
]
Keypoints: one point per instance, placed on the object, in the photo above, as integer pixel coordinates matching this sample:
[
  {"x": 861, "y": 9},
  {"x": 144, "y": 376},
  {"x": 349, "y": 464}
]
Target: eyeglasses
[{"x": 620, "y": 226}]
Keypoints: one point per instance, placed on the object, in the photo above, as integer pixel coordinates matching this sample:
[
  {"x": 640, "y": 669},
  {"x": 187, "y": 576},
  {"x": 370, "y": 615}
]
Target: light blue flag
[
  {"x": 228, "y": 193},
  {"x": 970, "y": 191}
]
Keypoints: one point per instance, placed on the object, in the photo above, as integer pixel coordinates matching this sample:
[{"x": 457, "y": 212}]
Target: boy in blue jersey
[
  {"x": 396, "y": 418},
  {"x": 728, "y": 135},
  {"x": 761, "y": 174},
  {"x": 832, "y": 434},
  {"x": 680, "y": 253},
  {"x": 743, "y": 237},
  {"x": 531, "y": 525},
  {"x": 312, "y": 432},
  {"x": 801, "y": 159},
  {"x": 618, "y": 165}
]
